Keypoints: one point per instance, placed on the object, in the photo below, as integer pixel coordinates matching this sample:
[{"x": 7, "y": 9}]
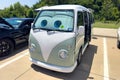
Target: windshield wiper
[
  {"x": 47, "y": 29},
  {"x": 43, "y": 29}
]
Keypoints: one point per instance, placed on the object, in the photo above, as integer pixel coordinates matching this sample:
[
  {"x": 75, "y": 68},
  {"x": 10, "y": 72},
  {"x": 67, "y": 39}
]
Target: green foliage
[
  {"x": 108, "y": 24},
  {"x": 103, "y": 9},
  {"x": 16, "y": 10},
  {"x": 109, "y": 11},
  {"x": 30, "y": 13}
]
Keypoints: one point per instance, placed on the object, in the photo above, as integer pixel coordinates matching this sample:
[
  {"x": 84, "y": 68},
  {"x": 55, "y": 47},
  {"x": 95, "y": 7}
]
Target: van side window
[
  {"x": 80, "y": 20},
  {"x": 86, "y": 19},
  {"x": 91, "y": 18}
]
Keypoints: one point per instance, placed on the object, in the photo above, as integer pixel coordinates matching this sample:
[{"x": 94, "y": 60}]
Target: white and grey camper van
[{"x": 59, "y": 37}]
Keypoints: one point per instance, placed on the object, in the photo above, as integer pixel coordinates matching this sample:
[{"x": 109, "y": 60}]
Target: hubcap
[{"x": 4, "y": 46}]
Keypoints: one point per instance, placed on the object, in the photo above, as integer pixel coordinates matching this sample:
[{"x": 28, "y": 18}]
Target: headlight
[{"x": 63, "y": 54}]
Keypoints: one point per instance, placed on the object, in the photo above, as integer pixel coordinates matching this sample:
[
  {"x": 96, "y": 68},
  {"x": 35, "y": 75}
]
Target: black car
[{"x": 13, "y": 31}]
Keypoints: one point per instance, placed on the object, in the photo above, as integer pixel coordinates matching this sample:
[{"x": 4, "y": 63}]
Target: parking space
[
  {"x": 92, "y": 67},
  {"x": 114, "y": 59}
]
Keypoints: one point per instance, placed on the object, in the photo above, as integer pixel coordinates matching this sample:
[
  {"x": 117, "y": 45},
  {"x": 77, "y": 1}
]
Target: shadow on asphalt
[
  {"x": 18, "y": 49},
  {"x": 80, "y": 73}
]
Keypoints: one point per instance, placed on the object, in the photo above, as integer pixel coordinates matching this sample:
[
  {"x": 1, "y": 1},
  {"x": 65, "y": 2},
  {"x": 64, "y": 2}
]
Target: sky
[{"x": 7, "y": 3}]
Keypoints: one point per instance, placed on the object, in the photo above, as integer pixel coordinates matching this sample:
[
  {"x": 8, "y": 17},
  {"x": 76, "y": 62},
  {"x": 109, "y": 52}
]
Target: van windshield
[{"x": 55, "y": 20}]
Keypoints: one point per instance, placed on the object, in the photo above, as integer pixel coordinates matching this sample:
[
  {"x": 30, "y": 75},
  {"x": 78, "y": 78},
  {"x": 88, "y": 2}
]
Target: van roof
[{"x": 78, "y": 7}]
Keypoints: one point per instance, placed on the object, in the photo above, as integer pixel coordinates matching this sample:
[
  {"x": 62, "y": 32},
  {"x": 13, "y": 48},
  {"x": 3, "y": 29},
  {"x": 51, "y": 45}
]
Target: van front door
[{"x": 79, "y": 32}]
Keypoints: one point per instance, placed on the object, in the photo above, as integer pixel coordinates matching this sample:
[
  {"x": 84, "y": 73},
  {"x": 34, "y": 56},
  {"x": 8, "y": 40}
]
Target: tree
[
  {"x": 30, "y": 13},
  {"x": 109, "y": 11},
  {"x": 103, "y": 9}
]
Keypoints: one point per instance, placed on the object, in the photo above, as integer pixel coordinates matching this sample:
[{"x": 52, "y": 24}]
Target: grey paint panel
[{"x": 68, "y": 45}]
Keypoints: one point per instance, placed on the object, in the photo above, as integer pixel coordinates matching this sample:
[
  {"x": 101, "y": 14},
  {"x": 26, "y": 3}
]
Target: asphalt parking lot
[{"x": 101, "y": 61}]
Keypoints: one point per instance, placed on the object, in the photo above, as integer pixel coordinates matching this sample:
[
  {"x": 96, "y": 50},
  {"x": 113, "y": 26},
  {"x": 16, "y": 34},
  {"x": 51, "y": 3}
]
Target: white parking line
[
  {"x": 106, "y": 72},
  {"x": 13, "y": 60}
]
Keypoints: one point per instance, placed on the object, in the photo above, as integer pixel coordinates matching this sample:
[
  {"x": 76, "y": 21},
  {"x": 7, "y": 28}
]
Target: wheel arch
[
  {"x": 14, "y": 43},
  {"x": 79, "y": 56}
]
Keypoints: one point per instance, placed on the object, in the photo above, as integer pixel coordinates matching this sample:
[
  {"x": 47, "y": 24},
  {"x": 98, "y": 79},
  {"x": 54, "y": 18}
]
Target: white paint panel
[{"x": 48, "y": 40}]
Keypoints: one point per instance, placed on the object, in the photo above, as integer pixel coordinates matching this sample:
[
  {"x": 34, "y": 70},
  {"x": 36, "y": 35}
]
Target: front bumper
[{"x": 54, "y": 67}]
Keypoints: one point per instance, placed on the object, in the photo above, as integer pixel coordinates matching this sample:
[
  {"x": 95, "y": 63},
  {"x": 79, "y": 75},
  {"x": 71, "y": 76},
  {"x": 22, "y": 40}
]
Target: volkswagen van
[{"x": 59, "y": 36}]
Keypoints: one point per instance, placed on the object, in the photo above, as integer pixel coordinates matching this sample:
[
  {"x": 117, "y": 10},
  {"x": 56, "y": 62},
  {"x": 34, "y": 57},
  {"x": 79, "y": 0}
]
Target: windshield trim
[{"x": 46, "y": 29}]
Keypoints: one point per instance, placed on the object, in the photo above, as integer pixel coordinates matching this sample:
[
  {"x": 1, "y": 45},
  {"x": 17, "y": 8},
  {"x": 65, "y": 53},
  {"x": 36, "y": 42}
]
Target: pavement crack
[{"x": 22, "y": 73}]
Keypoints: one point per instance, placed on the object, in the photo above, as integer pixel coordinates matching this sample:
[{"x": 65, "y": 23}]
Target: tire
[
  {"x": 118, "y": 44},
  {"x": 79, "y": 57},
  {"x": 6, "y": 47},
  {"x": 88, "y": 44}
]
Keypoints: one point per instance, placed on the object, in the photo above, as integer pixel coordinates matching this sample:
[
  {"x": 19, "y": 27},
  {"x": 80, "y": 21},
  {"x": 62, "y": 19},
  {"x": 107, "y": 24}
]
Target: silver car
[{"x": 118, "y": 38}]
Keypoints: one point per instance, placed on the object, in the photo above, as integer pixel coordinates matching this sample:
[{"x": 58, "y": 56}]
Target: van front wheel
[{"x": 79, "y": 57}]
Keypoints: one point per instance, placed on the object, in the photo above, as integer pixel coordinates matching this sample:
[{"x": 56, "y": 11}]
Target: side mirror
[
  {"x": 31, "y": 25},
  {"x": 25, "y": 28},
  {"x": 81, "y": 30}
]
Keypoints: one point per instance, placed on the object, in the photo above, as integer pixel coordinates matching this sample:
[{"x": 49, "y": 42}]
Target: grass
[{"x": 111, "y": 25}]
